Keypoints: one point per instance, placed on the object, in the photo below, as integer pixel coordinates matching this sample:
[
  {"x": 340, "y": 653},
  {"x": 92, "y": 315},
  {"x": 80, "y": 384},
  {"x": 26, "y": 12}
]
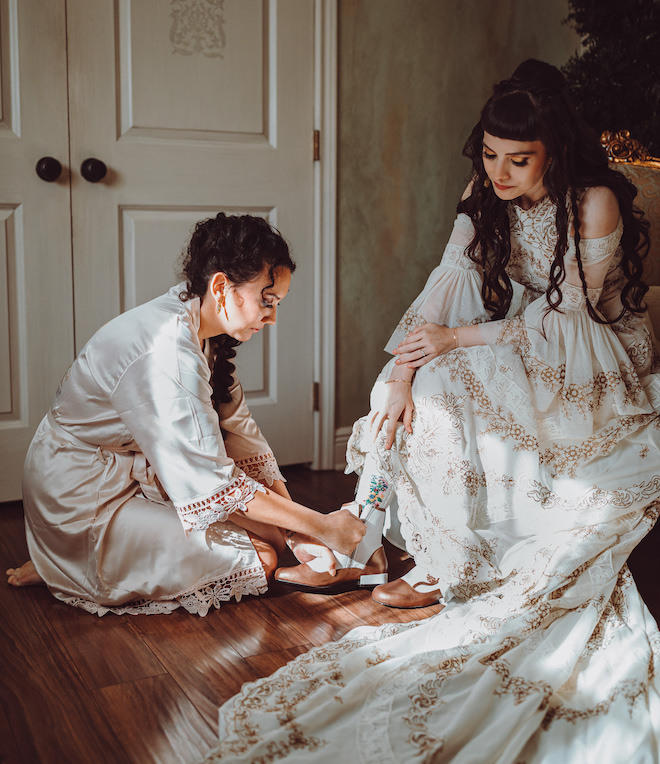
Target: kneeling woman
[{"x": 148, "y": 485}]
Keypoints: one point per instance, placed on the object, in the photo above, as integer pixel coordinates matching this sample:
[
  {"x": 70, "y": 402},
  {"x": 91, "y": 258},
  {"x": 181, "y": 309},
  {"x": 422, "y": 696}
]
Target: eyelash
[{"x": 521, "y": 163}]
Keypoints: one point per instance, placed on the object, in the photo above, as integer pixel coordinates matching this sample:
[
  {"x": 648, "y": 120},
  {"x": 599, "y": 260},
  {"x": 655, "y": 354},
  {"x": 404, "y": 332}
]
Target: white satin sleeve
[
  {"x": 164, "y": 399},
  {"x": 452, "y": 294},
  {"x": 244, "y": 441}
]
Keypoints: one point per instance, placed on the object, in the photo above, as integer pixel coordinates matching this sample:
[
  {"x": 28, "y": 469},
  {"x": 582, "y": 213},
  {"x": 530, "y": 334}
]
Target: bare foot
[
  {"x": 26, "y": 575},
  {"x": 343, "y": 531}
]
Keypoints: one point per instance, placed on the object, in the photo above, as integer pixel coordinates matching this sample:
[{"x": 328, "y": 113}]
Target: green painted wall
[{"x": 413, "y": 76}]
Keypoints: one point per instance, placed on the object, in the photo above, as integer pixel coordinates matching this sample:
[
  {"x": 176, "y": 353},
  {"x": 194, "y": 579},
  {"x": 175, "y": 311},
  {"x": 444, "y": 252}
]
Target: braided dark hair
[
  {"x": 240, "y": 246},
  {"x": 533, "y": 105}
]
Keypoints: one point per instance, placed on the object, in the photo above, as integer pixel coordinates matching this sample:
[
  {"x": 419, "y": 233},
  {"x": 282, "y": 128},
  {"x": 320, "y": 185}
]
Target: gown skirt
[{"x": 531, "y": 473}]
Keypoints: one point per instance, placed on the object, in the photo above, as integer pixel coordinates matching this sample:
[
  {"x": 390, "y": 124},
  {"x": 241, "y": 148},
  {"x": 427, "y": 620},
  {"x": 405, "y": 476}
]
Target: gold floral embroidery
[
  {"x": 465, "y": 474},
  {"x": 425, "y": 699},
  {"x": 640, "y": 350},
  {"x": 514, "y": 334},
  {"x": 597, "y": 498},
  {"x": 631, "y": 690},
  {"x": 410, "y": 320},
  {"x": 276, "y": 694},
  {"x": 451, "y": 405},
  {"x": 590, "y": 395},
  {"x": 501, "y": 423},
  {"x": 379, "y": 657},
  {"x": 565, "y": 459},
  {"x": 613, "y": 616},
  {"x": 519, "y": 687}
]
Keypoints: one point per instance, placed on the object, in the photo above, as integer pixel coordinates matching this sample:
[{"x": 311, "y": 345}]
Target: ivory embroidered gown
[
  {"x": 532, "y": 472},
  {"x": 131, "y": 477}
]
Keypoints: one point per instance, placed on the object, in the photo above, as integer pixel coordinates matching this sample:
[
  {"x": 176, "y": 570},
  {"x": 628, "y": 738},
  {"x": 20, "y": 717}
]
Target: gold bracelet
[
  {"x": 405, "y": 381},
  {"x": 455, "y": 340}
]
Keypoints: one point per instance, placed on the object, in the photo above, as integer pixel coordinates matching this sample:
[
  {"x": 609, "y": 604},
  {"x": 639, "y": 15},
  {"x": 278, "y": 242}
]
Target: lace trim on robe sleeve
[
  {"x": 261, "y": 467},
  {"x": 233, "y": 497}
]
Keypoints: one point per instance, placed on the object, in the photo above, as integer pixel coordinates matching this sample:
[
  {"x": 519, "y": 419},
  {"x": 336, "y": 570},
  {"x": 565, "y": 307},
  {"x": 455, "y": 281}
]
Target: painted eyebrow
[
  {"x": 512, "y": 153},
  {"x": 270, "y": 293}
]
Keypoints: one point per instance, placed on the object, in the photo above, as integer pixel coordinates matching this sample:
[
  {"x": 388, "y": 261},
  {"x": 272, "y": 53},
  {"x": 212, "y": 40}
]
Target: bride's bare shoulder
[{"x": 599, "y": 212}]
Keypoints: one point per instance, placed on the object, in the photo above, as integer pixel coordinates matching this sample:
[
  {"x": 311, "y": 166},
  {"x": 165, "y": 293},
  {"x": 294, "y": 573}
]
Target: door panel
[
  {"x": 36, "y": 327},
  {"x": 187, "y": 47},
  {"x": 190, "y": 122}
]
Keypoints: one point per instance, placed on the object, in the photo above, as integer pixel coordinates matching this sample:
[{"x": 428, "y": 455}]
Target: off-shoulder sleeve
[
  {"x": 596, "y": 256},
  {"x": 573, "y": 363},
  {"x": 164, "y": 399},
  {"x": 452, "y": 294},
  {"x": 244, "y": 441}
]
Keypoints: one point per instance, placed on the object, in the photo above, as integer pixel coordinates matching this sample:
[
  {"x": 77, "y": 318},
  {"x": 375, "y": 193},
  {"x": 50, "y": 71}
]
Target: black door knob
[
  {"x": 48, "y": 169},
  {"x": 93, "y": 170}
]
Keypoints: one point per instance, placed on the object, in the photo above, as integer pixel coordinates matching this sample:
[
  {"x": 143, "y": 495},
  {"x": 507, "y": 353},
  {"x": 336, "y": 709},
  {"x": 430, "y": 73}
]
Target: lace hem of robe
[
  {"x": 261, "y": 467},
  {"x": 233, "y": 497},
  {"x": 197, "y": 600}
]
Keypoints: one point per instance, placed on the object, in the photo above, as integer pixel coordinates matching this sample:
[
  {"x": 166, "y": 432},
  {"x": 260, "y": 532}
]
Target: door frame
[{"x": 325, "y": 244}]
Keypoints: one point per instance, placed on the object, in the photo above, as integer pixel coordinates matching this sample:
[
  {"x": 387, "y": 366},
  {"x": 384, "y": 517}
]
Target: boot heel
[{"x": 370, "y": 581}]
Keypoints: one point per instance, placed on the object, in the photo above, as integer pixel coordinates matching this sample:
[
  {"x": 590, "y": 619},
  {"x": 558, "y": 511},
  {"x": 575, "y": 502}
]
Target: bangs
[{"x": 512, "y": 117}]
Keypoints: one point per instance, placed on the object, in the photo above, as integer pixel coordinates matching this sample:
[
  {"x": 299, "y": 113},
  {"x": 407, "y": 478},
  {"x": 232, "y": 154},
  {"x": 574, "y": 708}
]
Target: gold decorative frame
[{"x": 622, "y": 148}]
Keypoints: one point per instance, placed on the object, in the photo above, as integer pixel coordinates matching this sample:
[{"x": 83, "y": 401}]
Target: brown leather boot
[
  {"x": 302, "y": 577},
  {"x": 408, "y": 591}
]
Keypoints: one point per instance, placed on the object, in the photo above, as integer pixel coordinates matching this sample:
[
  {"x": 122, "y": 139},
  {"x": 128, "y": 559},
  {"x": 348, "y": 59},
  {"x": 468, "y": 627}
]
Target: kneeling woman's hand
[
  {"x": 398, "y": 405},
  {"x": 425, "y": 343},
  {"x": 307, "y": 548}
]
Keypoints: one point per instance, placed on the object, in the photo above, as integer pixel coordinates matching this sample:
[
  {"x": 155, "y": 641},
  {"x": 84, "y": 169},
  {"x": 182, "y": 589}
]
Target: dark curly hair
[
  {"x": 240, "y": 246},
  {"x": 533, "y": 105}
]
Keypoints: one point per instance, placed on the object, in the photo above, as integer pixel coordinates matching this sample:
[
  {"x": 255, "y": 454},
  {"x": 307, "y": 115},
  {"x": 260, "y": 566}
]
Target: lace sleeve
[
  {"x": 261, "y": 467},
  {"x": 596, "y": 255},
  {"x": 199, "y": 514},
  {"x": 452, "y": 294}
]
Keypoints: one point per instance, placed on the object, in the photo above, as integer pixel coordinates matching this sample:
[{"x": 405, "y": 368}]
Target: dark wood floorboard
[
  {"x": 76, "y": 688},
  {"x": 156, "y": 722}
]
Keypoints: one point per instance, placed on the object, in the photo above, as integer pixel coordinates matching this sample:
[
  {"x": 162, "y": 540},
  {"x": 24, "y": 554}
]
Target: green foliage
[{"x": 615, "y": 79}]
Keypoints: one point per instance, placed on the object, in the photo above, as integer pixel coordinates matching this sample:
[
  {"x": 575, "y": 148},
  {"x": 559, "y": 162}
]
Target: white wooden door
[
  {"x": 36, "y": 322},
  {"x": 196, "y": 106}
]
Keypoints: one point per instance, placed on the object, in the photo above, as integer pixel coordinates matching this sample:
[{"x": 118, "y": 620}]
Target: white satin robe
[{"x": 132, "y": 476}]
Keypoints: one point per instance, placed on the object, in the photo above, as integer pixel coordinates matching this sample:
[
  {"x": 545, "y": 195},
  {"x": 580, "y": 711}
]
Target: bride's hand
[
  {"x": 425, "y": 343},
  {"x": 398, "y": 405}
]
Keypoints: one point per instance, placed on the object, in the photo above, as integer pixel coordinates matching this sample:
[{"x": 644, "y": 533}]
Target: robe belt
[{"x": 141, "y": 471}]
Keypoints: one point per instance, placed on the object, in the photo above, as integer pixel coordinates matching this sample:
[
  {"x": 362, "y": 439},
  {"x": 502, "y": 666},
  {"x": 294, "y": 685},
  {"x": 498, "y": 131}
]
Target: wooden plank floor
[{"x": 78, "y": 688}]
